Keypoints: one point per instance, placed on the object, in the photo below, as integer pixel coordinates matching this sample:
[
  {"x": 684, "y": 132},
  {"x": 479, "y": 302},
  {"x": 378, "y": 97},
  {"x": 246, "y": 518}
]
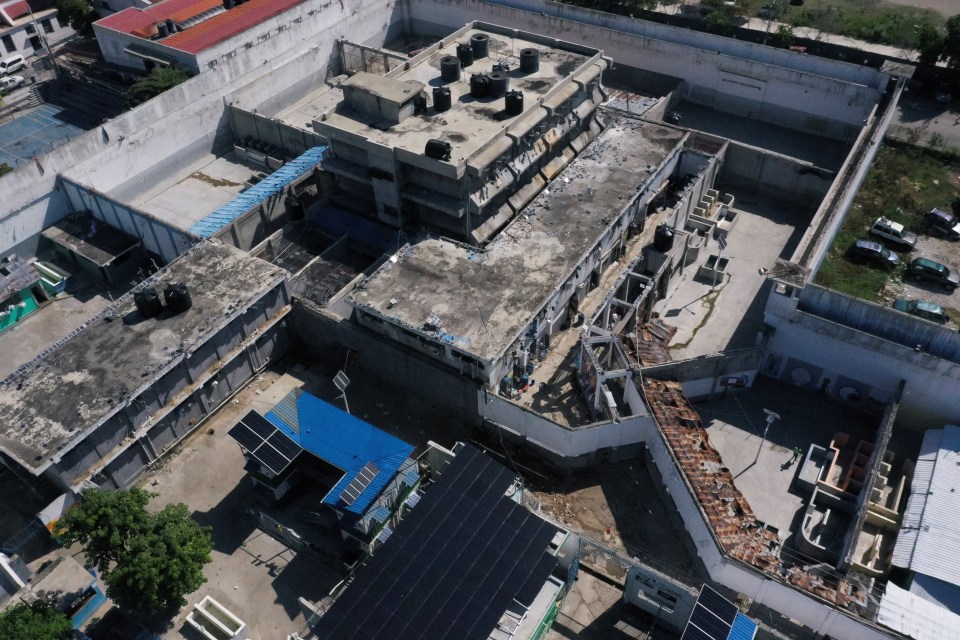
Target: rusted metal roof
[
  {"x": 227, "y": 25},
  {"x": 16, "y": 275}
]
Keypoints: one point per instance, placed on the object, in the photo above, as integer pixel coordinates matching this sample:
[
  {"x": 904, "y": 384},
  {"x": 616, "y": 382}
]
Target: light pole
[
  {"x": 771, "y": 418},
  {"x": 46, "y": 45}
]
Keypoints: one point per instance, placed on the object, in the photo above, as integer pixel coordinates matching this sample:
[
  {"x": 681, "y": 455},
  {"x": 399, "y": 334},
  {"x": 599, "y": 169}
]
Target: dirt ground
[{"x": 619, "y": 506}]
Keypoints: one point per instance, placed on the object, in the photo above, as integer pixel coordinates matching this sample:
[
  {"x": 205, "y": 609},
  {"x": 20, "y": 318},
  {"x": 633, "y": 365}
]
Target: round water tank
[
  {"x": 228, "y": 4},
  {"x": 499, "y": 82},
  {"x": 479, "y": 85},
  {"x": 148, "y": 302},
  {"x": 171, "y": 27},
  {"x": 514, "y": 103},
  {"x": 449, "y": 68},
  {"x": 465, "y": 54},
  {"x": 162, "y": 31},
  {"x": 439, "y": 149},
  {"x": 441, "y": 98},
  {"x": 480, "y": 43},
  {"x": 663, "y": 238},
  {"x": 178, "y": 297},
  {"x": 294, "y": 209},
  {"x": 529, "y": 60}
]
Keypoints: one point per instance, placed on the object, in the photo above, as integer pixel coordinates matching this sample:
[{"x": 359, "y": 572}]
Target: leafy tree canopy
[
  {"x": 78, "y": 14},
  {"x": 38, "y": 620},
  {"x": 156, "y": 83},
  {"x": 148, "y": 562}
]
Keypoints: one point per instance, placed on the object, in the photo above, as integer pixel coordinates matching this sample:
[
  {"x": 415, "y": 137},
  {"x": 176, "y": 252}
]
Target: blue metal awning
[{"x": 273, "y": 184}]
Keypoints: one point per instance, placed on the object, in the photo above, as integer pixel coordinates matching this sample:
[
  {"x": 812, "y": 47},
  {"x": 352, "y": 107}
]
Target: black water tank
[
  {"x": 162, "y": 30},
  {"x": 171, "y": 27},
  {"x": 420, "y": 102},
  {"x": 499, "y": 83},
  {"x": 663, "y": 238},
  {"x": 228, "y": 4},
  {"x": 449, "y": 68},
  {"x": 480, "y": 43},
  {"x": 438, "y": 149},
  {"x": 295, "y": 209},
  {"x": 479, "y": 85},
  {"x": 148, "y": 302},
  {"x": 529, "y": 60},
  {"x": 514, "y": 103},
  {"x": 465, "y": 53},
  {"x": 177, "y": 297},
  {"x": 441, "y": 98}
]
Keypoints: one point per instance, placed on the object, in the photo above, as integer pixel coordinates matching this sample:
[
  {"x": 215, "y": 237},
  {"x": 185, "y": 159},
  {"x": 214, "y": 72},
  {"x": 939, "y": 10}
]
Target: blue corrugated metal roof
[
  {"x": 269, "y": 186},
  {"x": 743, "y": 628},
  {"x": 344, "y": 441}
]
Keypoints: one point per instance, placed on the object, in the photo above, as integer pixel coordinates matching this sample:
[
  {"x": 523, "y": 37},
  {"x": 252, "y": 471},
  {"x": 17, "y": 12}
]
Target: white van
[{"x": 12, "y": 65}]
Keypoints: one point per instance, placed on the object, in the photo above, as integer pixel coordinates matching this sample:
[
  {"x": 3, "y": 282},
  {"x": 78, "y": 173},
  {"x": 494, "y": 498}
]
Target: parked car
[
  {"x": 12, "y": 65},
  {"x": 873, "y": 252},
  {"x": 943, "y": 224},
  {"x": 9, "y": 83},
  {"x": 924, "y": 269},
  {"x": 922, "y": 309},
  {"x": 894, "y": 233}
]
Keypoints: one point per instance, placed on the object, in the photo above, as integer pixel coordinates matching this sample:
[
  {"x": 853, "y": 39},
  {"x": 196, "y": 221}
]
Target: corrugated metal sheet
[
  {"x": 16, "y": 275},
  {"x": 269, "y": 186},
  {"x": 936, "y": 591},
  {"x": 342, "y": 440},
  {"x": 143, "y": 22},
  {"x": 228, "y": 24},
  {"x": 929, "y": 539},
  {"x": 909, "y": 614},
  {"x": 743, "y": 628}
]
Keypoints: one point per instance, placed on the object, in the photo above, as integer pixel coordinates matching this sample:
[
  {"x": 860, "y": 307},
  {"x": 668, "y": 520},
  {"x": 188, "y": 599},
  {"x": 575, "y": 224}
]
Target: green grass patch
[
  {"x": 903, "y": 183},
  {"x": 869, "y": 20}
]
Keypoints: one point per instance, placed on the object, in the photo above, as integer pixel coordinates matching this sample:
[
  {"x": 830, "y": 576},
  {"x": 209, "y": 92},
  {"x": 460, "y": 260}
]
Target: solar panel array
[
  {"x": 712, "y": 618},
  {"x": 359, "y": 484},
  {"x": 269, "y": 446},
  {"x": 452, "y": 567}
]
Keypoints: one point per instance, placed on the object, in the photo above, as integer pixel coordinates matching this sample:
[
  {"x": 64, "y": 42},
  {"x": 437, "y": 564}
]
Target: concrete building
[
  {"x": 468, "y": 561},
  {"x": 467, "y": 157},
  {"x": 361, "y": 475},
  {"x": 189, "y": 34},
  {"x": 26, "y": 24},
  {"x": 166, "y": 373}
]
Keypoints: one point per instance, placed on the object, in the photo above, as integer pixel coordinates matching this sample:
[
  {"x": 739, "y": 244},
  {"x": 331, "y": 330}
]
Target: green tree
[
  {"x": 5, "y": 169},
  {"x": 78, "y": 14},
  {"x": 783, "y": 38},
  {"x": 156, "y": 83},
  {"x": 148, "y": 562},
  {"x": 105, "y": 523},
  {"x": 38, "y": 620},
  {"x": 951, "y": 43}
]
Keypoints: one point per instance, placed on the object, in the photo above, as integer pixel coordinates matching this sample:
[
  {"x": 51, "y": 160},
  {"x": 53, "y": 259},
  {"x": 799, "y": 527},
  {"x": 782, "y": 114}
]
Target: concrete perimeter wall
[
  {"x": 806, "y": 93},
  {"x": 816, "y": 353},
  {"x": 702, "y": 378},
  {"x": 787, "y": 600},
  {"x": 775, "y": 175},
  {"x": 159, "y": 238}
]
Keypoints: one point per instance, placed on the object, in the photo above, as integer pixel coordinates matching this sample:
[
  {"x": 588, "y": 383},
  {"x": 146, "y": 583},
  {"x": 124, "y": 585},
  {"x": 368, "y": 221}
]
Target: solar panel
[
  {"x": 265, "y": 443},
  {"x": 359, "y": 483},
  {"x": 712, "y": 618}
]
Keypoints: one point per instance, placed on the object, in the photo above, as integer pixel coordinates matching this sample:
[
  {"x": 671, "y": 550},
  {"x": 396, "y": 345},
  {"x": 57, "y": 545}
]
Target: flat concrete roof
[
  {"x": 471, "y": 123},
  {"x": 389, "y": 89},
  {"x": 485, "y": 297},
  {"x": 98, "y": 242},
  {"x": 59, "y": 400},
  {"x": 190, "y": 197}
]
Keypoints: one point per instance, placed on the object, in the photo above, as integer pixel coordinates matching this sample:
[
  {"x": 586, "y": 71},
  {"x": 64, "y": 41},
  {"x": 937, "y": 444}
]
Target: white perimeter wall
[
  {"x": 133, "y": 151},
  {"x": 807, "y": 93}
]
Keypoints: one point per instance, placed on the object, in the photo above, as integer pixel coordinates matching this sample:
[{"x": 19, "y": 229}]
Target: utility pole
[
  {"x": 771, "y": 418},
  {"x": 46, "y": 45}
]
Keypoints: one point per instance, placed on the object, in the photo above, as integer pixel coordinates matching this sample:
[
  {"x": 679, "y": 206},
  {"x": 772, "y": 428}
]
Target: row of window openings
[{"x": 31, "y": 30}]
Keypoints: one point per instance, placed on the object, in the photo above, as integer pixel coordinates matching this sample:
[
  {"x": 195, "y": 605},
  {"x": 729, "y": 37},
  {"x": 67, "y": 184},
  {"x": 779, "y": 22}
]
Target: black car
[
  {"x": 943, "y": 224},
  {"x": 873, "y": 252},
  {"x": 924, "y": 269}
]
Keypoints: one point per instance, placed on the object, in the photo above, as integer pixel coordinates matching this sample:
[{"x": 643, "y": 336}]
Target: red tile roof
[
  {"x": 143, "y": 22},
  {"x": 17, "y": 9},
  {"x": 227, "y": 25}
]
